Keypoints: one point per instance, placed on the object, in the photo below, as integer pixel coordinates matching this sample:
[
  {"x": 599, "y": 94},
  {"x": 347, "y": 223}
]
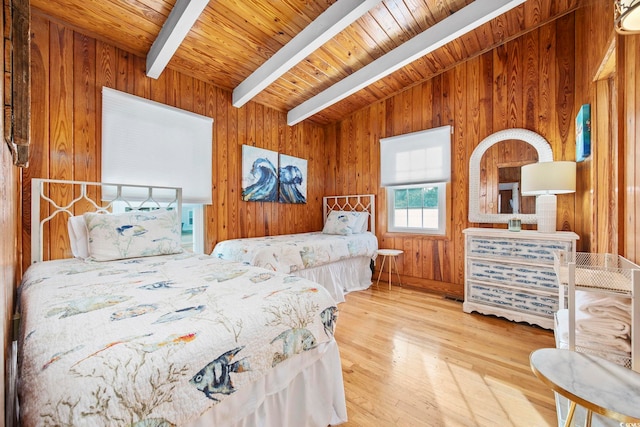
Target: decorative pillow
[
  {"x": 78, "y": 236},
  {"x": 345, "y": 223},
  {"x": 362, "y": 224},
  {"x": 133, "y": 234},
  {"x": 337, "y": 223}
]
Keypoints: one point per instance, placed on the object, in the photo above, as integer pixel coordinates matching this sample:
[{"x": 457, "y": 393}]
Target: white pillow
[
  {"x": 362, "y": 223},
  {"x": 78, "y": 236},
  {"x": 344, "y": 223},
  {"x": 133, "y": 234}
]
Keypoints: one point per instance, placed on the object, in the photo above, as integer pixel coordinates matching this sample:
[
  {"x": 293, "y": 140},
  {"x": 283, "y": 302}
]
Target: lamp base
[{"x": 546, "y": 209}]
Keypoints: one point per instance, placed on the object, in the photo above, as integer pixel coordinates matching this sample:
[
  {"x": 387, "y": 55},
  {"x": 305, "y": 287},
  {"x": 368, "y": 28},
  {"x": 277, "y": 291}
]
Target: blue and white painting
[
  {"x": 293, "y": 179},
  {"x": 259, "y": 174}
]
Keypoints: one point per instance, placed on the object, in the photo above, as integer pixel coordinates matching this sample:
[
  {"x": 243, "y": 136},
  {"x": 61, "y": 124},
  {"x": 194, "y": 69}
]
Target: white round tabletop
[
  {"x": 392, "y": 252},
  {"x": 592, "y": 382}
]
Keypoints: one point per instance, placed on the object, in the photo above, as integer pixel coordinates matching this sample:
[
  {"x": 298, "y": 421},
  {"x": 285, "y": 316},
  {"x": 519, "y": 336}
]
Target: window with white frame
[
  {"x": 148, "y": 143},
  {"x": 417, "y": 209},
  {"x": 415, "y": 168}
]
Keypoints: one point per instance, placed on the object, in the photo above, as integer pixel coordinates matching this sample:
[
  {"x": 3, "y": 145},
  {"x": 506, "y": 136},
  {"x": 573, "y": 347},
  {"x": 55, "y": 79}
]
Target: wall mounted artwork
[
  {"x": 583, "y": 133},
  {"x": 259, "y": 174},
  {"x": 271, "y": 177},
  {"x": 293, "y": 179}
]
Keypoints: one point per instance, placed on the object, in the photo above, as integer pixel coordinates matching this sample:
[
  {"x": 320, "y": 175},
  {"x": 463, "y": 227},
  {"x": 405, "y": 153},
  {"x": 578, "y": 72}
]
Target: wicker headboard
[
  {"x": 50, "y": 197},
  {"x": 350, "y": 203}
]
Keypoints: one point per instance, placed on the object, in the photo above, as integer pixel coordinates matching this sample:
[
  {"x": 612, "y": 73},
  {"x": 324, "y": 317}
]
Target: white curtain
[
  {"x": 416, "y": 158},
  {"x": 148, "y": 143}
]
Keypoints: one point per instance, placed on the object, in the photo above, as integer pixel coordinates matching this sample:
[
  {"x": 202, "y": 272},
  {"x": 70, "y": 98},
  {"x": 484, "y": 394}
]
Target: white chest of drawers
[{"x": 510, "y": 274}]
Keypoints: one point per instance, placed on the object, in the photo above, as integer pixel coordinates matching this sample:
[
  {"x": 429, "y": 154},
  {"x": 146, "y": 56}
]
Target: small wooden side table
[
  {"x": 594, "y": 383},
  {"x": 392, "y": 253}
]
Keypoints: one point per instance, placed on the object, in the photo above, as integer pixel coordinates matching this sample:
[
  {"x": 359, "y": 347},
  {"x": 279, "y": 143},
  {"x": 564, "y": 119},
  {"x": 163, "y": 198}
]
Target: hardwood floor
[{"x": 410, "y": 358}]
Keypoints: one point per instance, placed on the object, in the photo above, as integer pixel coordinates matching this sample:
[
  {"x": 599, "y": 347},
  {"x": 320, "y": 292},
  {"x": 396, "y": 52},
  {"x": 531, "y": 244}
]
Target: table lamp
[{"x": 544, "y": 180}]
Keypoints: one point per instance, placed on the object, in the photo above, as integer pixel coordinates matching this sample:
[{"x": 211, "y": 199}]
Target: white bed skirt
[
  {"x": 304, "y": 391},
  {"x": 341, "y": 277}
]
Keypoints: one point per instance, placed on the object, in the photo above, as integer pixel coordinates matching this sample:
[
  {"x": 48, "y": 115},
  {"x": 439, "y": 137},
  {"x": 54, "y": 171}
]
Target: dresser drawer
[
  {"x": 529, "y": 250},
  {"x": 512, "y": 299},
  {"x": 541, "y": 277}
]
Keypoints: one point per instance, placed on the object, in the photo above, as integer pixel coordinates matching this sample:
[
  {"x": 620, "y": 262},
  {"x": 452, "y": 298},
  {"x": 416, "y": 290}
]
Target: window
[
  {"x": 415, "y": 168},
  {"x": 193, "y": 228},
  {"x": 417, "y": 209}
]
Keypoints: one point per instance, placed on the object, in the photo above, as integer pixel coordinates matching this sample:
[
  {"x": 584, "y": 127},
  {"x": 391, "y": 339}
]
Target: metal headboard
[
  {"x": 350, "y": 203},
  {"x": 134, "y": 197}
]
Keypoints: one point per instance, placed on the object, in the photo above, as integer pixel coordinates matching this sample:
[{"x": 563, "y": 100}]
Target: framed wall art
[
  {"x": 293, "y": 179},
  {"x": 583, "y": 133},
  {"x": 259, "y": 174}
]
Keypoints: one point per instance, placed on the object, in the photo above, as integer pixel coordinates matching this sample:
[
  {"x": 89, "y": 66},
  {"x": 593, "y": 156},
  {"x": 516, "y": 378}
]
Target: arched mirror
[{"x": 494, "y": 176}]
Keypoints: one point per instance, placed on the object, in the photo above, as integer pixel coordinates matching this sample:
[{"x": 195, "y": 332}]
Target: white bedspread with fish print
[
  {"x": 157, "y": 340},
  {"x": 289, "y": 253}
]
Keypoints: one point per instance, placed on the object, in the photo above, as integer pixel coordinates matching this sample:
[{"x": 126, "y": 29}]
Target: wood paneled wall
[
  {"x": 9, "y": 252},
  {"x": 10, "y": 221},
  {"x": 9, "y": 255},
  {"x": 68, "y": 71},
  {"x": 608, "y": 181},
  {"x": 526, "y": 83},
  {"x": 537, "y": 82},
  {"x": 596, "y": 176},
  {"x": 529, "y": 82},
  {"x": 630, "y": 147}
]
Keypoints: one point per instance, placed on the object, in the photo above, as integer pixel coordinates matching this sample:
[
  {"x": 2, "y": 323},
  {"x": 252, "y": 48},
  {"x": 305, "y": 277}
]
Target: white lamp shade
[{"x": 548, "y": 178}]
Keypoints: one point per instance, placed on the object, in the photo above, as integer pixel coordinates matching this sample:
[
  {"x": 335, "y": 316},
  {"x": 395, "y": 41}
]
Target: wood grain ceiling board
[
  {"x": 131, "y": 25},
  {"x": 498, "y": 31},
  {"x": 233, "y": 38}
]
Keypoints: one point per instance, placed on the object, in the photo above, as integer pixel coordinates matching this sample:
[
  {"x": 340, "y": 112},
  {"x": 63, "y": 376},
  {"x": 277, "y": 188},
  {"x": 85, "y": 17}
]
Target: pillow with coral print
[{"x": 133, "y": 234}]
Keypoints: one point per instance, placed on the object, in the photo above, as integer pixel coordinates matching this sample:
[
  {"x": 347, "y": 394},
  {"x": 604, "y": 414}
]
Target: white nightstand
[{"x": 392, "y": 253}]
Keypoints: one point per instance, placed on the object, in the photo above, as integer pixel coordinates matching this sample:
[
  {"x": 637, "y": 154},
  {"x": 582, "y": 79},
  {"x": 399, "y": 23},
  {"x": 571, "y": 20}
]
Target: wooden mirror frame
[{"x": 545, "y": 154}]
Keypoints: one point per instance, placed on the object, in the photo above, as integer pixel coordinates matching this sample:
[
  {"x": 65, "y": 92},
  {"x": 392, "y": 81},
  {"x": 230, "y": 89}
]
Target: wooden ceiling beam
[
  {"x": 180, "y": 20},
  {"x": 333, "y": 20},
  {"x": 452, "y": 27}
]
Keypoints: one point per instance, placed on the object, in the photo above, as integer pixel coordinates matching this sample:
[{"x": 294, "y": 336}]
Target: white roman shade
[
  {"x": 416, "y": 158},
  {"x": 148, "y": 143}
]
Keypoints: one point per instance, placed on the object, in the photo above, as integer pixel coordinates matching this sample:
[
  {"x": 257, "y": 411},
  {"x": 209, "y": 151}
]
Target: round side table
[
  {"x": 392, "y": 254},
  {"x": 597, "y": 384}
]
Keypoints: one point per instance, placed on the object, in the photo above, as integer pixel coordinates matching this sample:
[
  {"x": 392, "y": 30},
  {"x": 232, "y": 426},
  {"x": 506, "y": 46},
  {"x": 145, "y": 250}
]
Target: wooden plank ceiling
[{"x": 232, "y": 38}]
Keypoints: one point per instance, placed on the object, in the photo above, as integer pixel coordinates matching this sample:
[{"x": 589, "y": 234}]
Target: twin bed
[
  {"x": 143, "y": 334},
  {"x": 339, "y": 257},
  {"x": 134, "y": 331}
]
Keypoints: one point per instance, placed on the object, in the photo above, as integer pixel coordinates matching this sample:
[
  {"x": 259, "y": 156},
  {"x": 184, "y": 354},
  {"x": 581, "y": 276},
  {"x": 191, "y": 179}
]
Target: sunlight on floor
[
  {"x": 464, "y": 388},
  {"x": 460, "y": 395}
]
